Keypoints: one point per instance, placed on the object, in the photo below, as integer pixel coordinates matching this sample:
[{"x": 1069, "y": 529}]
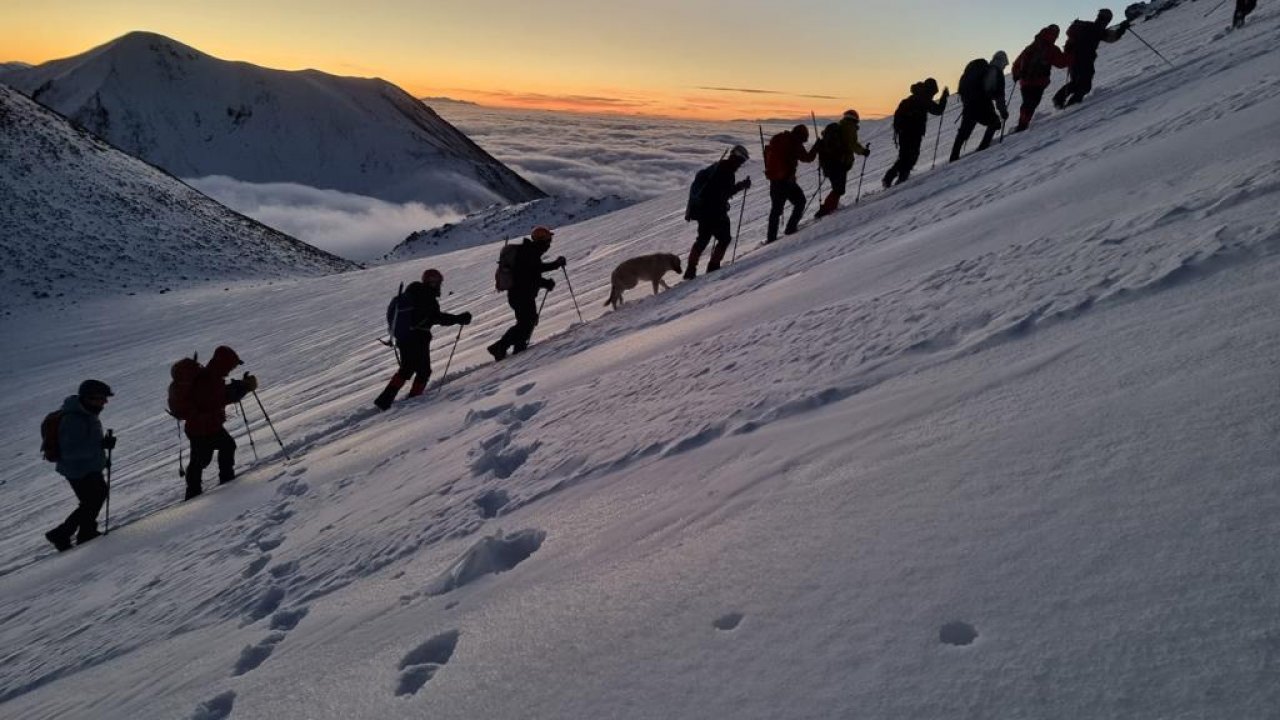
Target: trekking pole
[
  {"x": 545, "y": 293},
  {"x": 451, "y": 352},
  {"x": 571, "y": 295},
  {"x": 245, "y": 415},
  {"x": 938, "y": 139},
  {"x": 1005, "y": 120},
  {"x": 1215, "y": 7},
  {"x": 271, "y": 425},
  {"x": 1157, "y": 52},
  {"x": 106, "y": 521},
  {"x": 865, "y": 159},
  {"x": 738, "y": 234}
]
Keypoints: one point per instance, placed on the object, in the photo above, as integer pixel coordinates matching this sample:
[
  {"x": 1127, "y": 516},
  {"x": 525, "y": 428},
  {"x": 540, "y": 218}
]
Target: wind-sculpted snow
[
  {"x": 79, "y": 218},
  {"x": 999, "y": 442}
]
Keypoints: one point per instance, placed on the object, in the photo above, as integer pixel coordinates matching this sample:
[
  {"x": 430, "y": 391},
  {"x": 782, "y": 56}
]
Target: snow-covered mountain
[
  {"x": 505, "y": 222},
  {"x": 195, "y": 116},
  {"x": 80, "y": 218},
  {"x": 997, "y": 443}
]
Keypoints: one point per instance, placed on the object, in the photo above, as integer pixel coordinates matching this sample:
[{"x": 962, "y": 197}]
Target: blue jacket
[{"x": 79, "y": 441}]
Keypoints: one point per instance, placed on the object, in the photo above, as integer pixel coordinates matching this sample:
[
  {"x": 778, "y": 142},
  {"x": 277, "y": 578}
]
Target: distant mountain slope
[
  {"x": 500, "y": 223},
  {"x": 196, "y": 115},
  {"x": 78, "y": 217}
]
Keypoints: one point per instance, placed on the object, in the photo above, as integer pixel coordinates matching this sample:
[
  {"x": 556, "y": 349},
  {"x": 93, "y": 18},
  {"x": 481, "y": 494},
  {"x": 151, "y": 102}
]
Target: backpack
[
  {"x": 775, "y": 157},
  {"x": 973, "y": 81},
  {"x": 399, "y": 314},
  {"x": 505, "y": 276},
  {"x": 49, "y": 436},
  {"x": 700, "y": 183},
  {"x": 832, "y": 151},
  {"x": 1074, "y": 31},
  {"x": 181, "y": 387}
]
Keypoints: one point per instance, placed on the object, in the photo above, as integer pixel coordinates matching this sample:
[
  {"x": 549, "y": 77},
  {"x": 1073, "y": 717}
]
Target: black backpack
[
  {"x": 973, "y": 81},
  {"x": 399, "y": 314},
  {"x": 831, "y": 151},
  {"x": 699, "y": 186}
]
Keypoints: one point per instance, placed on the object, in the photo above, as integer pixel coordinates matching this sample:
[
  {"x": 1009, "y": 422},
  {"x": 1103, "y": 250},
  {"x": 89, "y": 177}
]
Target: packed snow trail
[{"x": 1027, "y": 400}]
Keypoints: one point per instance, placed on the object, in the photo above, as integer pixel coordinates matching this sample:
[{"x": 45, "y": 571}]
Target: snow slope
[
  {"x": 80, "y": 218},
  {"x": 505, "y": 222},
  {"x": 1030, "y": 396},
  {"x": 195, "y": 116}
]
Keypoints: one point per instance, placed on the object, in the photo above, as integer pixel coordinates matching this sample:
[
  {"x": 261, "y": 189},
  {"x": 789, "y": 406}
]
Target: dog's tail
[{"x": 613, "y": 298}]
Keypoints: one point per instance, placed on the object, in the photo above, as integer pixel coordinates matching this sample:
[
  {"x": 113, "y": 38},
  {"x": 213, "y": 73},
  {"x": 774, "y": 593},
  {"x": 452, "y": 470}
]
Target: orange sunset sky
[{"x": 691, "y": 59}]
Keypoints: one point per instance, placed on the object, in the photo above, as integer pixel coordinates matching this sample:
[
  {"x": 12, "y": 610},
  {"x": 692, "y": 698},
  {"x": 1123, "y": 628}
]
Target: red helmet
[
  {"x": 432, "y": 276},
  {"x": 541, "y": 233}
]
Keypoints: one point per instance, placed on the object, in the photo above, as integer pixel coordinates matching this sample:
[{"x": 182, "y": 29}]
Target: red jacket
[
  {"x": 210, "y": 396},
  {"x": 1036, "y": 62}
]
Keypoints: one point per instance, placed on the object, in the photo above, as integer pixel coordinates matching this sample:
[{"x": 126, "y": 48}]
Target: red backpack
[
  {"x": 49, "y": 427},
  {"x": 776, "y": 156},
  {"x": 181, "y": 395}
]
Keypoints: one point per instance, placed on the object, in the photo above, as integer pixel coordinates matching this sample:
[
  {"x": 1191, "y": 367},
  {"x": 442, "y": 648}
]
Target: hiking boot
[
  {"x": 193, "y": 492},
  {"x": 497, "y": 351},
  {"x": 85, "y": 535},
  {"x": 224, "y": 479},
  {"x": 418, "y": 387},
  {"x": 60, "y": 538}
]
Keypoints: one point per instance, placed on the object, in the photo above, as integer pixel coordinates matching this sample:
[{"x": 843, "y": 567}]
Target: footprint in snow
[
  {"x": 492, "y": 502},
  {"x": 254, "y": 655},
  {"x": 957, "y": 633},
  {"x": 525, "y": 388},
  {"x": 215, "y": 708},
  {"x": 728, "y": 621},
  {"x": 421, "y": 664}
]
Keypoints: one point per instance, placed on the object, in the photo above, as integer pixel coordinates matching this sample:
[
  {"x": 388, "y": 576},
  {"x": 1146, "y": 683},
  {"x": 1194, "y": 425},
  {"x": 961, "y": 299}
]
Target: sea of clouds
[{"x": 566, "y": 154}]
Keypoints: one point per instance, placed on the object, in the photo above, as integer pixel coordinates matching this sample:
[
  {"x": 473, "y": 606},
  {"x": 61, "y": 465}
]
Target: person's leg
[
  {"x": 910, "y": 156},
  {"x": 795, "y": 195},
  {"x": 992, "y": 122},
  {"x": 1031, "y": 97},
  {"x": 723, "y": 233},
  {"x": 226, "y": 446},
  {"x": 421, "y": 368},
  {"x": 91, "y": 491},
  {"x": 201, "y": 452},
  {"x": 967, "y": 123},
  {"x": 777, "y": 198},
  {"x": 1081, "y": 85},
  {"x": 695, "y": 252},
  {"x": 526, "y": 320}
]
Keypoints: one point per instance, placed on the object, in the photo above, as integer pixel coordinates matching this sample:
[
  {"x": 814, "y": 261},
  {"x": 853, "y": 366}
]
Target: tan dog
[{"x": 646, "y": 267}]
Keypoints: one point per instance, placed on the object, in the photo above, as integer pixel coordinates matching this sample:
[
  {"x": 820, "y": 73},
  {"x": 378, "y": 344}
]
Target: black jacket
[
  {"x": 720, "y": 188},
  {"x": 1084, "y": 37},
  {"x": 912, "y": 117},
  {"x": 526, "y": 274},
  {"x": 424, "y": 311}
]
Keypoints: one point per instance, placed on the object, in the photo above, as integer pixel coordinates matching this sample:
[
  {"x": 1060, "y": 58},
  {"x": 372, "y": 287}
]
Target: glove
[
  {"x": 561, "y": 261},
  {"x": 1125, "y": 25},
  {"x": 250, "y": 383},
  {"x": 1004, "y": 113},
  {"x": 548, "y": 284},
  {"x": 464, "y": 318},
  {"x": 744, "y": 184},
  {"x": 109, "y": 442}
]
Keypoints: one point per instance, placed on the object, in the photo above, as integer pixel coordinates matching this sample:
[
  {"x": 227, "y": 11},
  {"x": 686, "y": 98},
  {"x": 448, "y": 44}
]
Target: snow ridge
[{"x": 80, "y": 218}]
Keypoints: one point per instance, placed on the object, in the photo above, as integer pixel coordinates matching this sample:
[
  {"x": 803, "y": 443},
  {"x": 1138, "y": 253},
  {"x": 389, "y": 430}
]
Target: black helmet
[{"x": 95, "y": 388}]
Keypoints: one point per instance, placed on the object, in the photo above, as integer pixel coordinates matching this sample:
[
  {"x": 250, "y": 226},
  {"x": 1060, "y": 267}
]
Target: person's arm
[
  {"x": 1113, "y": 34},
  {"x": 808, "y": 155}
]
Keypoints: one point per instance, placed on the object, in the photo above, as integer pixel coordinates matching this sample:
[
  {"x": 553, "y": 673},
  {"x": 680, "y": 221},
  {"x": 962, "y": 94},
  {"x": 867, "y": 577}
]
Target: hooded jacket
[
  {"x": 912, "y": 116},
  {"x": 1084, "y": 37},
  {"x": 80, "y": 450},
  {"x": 210, "y": 396},
  {"x": 1034, "y": 65}
]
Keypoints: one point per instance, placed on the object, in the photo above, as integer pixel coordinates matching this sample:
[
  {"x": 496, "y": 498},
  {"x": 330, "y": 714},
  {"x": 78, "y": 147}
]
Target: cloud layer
[
  {"x": 591, "y": 155},
  {"x": 351, "y": 226}
]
